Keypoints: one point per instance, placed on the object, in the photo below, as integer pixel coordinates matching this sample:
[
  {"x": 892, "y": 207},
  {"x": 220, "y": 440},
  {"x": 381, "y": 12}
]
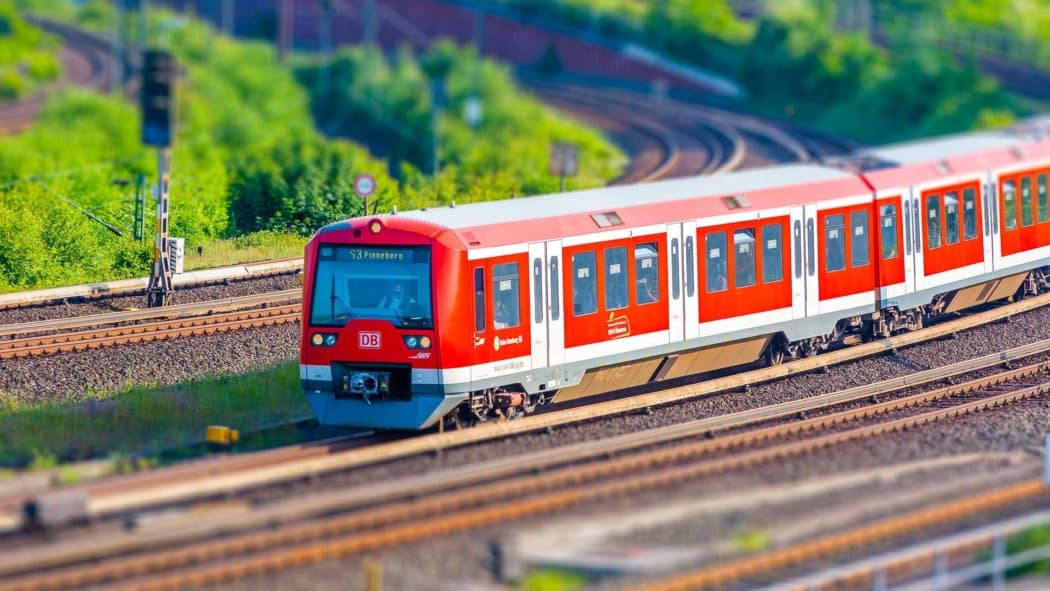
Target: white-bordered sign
[{"x": 364, "y": 184}]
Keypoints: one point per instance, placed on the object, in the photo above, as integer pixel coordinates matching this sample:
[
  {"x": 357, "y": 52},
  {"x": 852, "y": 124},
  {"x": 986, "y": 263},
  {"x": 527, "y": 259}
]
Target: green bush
[
  {"x": 12, "y": 86},
  {"x": 27, "y": 55},
  {"x": 42, "y": 66}
]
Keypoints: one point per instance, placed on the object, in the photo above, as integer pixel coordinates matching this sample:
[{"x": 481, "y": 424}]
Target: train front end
[{"x": 370, "y": 350}]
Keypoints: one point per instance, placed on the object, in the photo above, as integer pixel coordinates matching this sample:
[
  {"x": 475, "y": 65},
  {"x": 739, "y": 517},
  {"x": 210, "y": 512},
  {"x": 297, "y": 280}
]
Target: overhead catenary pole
[
  {"x": 227, "y": 17},
  {"x": 285, "y": 28},
  {"x": 118, "y": 46},
  {"x": 369, "y": 24}
]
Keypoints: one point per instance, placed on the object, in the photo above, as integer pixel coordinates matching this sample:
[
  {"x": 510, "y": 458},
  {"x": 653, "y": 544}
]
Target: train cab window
[
  {"x": 744, "y": 259},
  {"x": 1010, "y": 205},
  {"x": 616, "y": 278},
  {"x": 537, "y": 288},
  {"x": 506, "y": 305},
  {"x": 1027, "y": 215},
  {"x": 933, "y": 222},
  {"x": 834, "y": 243},
  {"x": 584, "y": 283},
  {"x": 969, "y": 214},
  {"x": 951, "y": 217},
  {"x": 772, "y": 253},
  {"x": 479, "y": 300},
  {"x": 646, "y": 273},
  {"x": 1044, "y": 201},
  {"x": 717, "y": 262},
  {"x": 888, "y": 223},
  {"x": 858, "y": 241}
]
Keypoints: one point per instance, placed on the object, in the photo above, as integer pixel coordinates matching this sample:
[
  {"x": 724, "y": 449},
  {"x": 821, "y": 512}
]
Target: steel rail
[
  {"x": 468, "y": 508},
  {"x": 148, "y": 332},
  {"x": 127, "y": 316}
]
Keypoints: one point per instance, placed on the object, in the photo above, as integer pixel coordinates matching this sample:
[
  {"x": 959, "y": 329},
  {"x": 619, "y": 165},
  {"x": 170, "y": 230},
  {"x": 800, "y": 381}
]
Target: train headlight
[
  {"x": 412, "y": 342},
  {"x": 375, "y": 227},
  {"x": 424, "y": 342},
  {"x": 329, "y": 340},
  {"x": 317, "y": 340}
]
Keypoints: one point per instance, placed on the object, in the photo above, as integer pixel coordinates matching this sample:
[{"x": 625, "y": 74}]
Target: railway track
[
  {"x": 410, "y": 508},
  {"x": 126, "y": 328}
]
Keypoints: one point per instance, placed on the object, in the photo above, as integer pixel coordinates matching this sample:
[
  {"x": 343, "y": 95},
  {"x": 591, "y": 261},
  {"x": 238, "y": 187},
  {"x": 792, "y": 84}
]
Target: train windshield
[{"x": 374, "y": 282}]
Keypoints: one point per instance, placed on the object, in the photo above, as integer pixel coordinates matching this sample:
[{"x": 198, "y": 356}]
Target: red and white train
[{"x": 487, "y": 310}]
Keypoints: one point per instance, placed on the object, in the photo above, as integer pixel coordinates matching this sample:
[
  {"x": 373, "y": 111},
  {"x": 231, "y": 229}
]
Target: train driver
[{"x": 393, "y": 299}]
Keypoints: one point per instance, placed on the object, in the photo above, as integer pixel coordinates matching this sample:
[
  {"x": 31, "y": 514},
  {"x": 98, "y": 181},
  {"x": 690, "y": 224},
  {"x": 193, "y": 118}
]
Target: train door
[
  {"x": 676, "y": 309},
  {"x": 812, "y": 254},
  {"x": 538, "y": 303},
  {"x": 910, "y": 243},
  {"x": 992, "y": 212},
  {"x": 798, "y": 266},
  {"x": 555, "y": 329},
  {"x": 988, "y": 205},
  {"x": 691, "y": 315},
  {"x": 917, "y": 273}
]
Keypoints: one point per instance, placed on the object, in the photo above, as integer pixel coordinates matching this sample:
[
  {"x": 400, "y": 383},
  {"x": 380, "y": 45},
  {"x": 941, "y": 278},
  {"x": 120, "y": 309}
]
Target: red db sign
[{"x": 369, "y": 340}]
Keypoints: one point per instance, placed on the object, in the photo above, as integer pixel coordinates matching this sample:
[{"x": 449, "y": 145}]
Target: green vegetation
[
  {"x": 251, "y": 174},
  {"x": 553, "y": 580},
  {"x": 145, "y": 421},
  {"x": 28, "y": 57},
  {"x": 750, "y": 540},
  {"x": 362, "y": 94},
  {"x": 796, "y": 61}
]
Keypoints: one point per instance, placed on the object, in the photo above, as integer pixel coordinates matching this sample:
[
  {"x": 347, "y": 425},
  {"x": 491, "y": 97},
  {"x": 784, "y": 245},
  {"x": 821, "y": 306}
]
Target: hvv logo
[{"x": 369, "y": 340}]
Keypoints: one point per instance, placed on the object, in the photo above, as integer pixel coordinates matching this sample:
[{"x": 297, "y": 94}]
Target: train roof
[{"x": 942, "y": 148}]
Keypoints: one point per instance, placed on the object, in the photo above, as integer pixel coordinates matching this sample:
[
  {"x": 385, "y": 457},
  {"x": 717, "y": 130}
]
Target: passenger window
[
  {"x": 646, "y": 273},
  {"x": 690, "y": 268},
  {"x": 537, "y": 284},
  {"x": 555, "y": 291},
  {"x": 744, "y": 261},
  {"x": 1027, "y": 215},
  {"x": 506, "y": 305},
  {"x": 584, "y": 284},
  {"x": 951, "y": 218},
  {"x": 834, "y": 243},
  {"x": 969, "y": 214},
  {"x": 479, "y": 300},
  {"x": 933, "y": 221},
  {"x": 858, "y": 242},
  {"x": 676, "y": 273},
  {"x": 717, "y": 262},
  {"x": 616, "y": 278},
  {"x": 1010, "y": 205},
  {"x": 1044, "y": 204},
  {"x": 772, "y": 253},
  {"x": 888, "y": 223}
]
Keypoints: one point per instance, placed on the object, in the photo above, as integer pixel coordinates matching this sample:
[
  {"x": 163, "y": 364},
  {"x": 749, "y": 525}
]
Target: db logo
[{"x": 369, "y": 340}]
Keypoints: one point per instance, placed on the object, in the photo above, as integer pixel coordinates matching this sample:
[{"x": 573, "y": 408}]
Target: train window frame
[
  {"x": 1042, "y": 192},
  {"x": 856, "y": 262},
  {"x": 905, "y": 206},
  {"x": 834, "y": 232},
  {"x": 749, "y": 262},
  {"x": 933, "y": 221},
  {"x": 970, "y": 214},
  {"x": 1009, "y": 204},
  {"x": 591, "y": 279},
  {"x": 506, "y": 277},
  {"x": 537, "y": 283},
  {"x": 888, "y": 213},
  {"x": 555, "y": 289},
  {"x": 772, "y": 258},
  {"x": 480, "y": 300},
  {"x": 797, "y": 233},
  {"x": 811, "y": 247},
  {"x": 714, "y": 279},
  {"x": 647, "y": 274},
  {"x": 617, "y": 278},
  {"x": 1027, "y": 198},
  {"x": 949, "y": 225}
]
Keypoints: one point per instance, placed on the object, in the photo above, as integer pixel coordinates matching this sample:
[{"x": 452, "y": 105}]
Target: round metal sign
[{"x": 364, "y": 184}]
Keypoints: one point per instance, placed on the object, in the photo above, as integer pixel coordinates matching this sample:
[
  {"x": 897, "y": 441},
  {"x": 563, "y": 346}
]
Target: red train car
[{"x": 462, "y": 314}]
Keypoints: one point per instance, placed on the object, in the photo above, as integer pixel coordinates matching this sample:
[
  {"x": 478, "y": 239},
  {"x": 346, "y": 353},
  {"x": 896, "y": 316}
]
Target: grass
[
  {"x": 257, "y": 247},
  {"x": 144, "y": 421},
  {"x": 553, "y": 580},
  {"x": 750, "y": 540}
]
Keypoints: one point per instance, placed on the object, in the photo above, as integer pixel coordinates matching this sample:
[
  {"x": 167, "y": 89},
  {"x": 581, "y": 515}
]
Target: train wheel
[{"x": 774, "y": 354}]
